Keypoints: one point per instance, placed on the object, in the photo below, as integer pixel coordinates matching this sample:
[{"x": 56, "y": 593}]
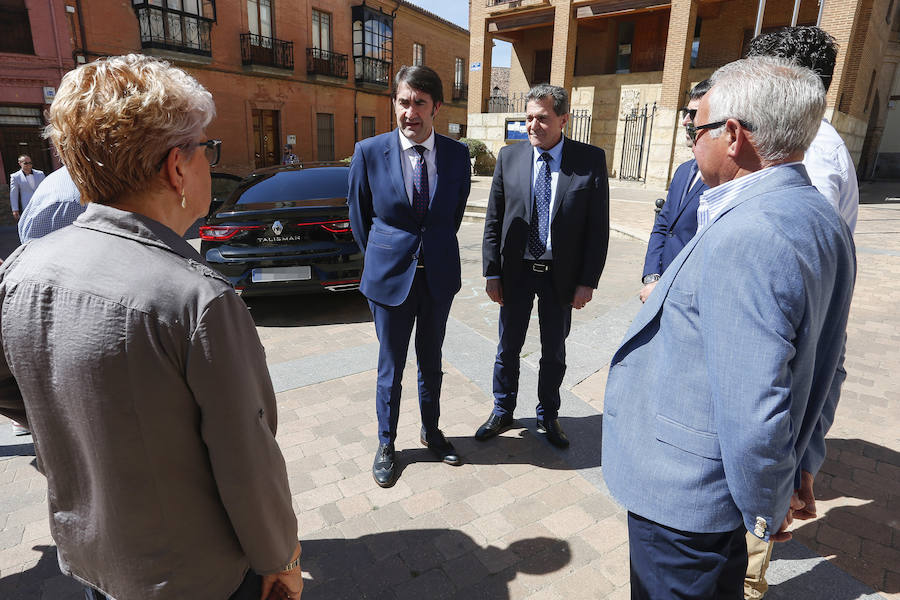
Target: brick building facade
[
  {"x": 315, "y": 73},
  {"x": 619, "y": 56}
]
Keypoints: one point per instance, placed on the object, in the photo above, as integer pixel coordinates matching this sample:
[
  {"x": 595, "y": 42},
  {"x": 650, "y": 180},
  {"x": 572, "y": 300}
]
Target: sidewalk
[{"x": 520, "y": 519}]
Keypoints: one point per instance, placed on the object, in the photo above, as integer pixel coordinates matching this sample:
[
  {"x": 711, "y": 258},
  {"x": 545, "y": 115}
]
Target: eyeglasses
[
  {"x": 693, "y": 131},
  {"x": 26, "y": 162},
  {"x": 688, "y": 112},
  {"x": 213, "y": 150}
]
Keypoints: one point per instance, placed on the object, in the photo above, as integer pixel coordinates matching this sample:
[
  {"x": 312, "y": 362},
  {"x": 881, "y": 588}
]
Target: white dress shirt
[
  {"x": 716, "y": 199},
  {"x": 555, "y": 161},
  {"x": 831, "y": 170},
  {"x": 409, "y": 156}
]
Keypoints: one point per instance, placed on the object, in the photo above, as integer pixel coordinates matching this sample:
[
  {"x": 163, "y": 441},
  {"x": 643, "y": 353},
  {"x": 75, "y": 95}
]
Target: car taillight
[
  {"x": 220, "y": 233},
  {"x": 342, "y": 226}
]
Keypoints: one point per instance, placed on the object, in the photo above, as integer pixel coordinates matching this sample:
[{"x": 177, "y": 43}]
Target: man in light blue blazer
[
  {"x": 727, "y": 439},
  {"x": 407, "y": 196},
  {"x": 22, "y": 184}
]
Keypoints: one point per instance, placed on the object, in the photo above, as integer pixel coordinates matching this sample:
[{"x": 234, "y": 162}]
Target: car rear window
[{"x": 308, "y": 184}]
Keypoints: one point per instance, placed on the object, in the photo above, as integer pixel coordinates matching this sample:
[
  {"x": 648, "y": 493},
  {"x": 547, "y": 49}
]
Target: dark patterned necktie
[
  {"x": 420, "y": 184},
  {"x": 540, "y": 214}
]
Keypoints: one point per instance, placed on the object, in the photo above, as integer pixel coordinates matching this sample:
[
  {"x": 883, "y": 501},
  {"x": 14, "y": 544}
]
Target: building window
[
  {"x": 418, "y": 54},
  {"x": 541, "y": 73},
  {"x": 460, "y": 90},
  {"x": 15, "y": 28},
  {"x": 623, "y": 49},
  {"x": 367, "y": 127},
  {"x": 325, "y": 135},
  {"x": 695, "y": 46},
  {"x": 179, "y": 25},
  {"x": 373, "y": 45},
  {"x": 321, "y": 30},
  {"x": 259, "y": 17}
]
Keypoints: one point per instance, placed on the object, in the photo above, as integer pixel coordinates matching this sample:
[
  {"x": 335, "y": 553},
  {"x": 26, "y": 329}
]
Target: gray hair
[
  {"x": 545, "y": 90},
  {"x": 782, "y": 102}
]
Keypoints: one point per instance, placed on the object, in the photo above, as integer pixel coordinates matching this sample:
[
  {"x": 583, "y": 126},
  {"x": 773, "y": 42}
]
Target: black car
[{"x": 285, "y": 230}]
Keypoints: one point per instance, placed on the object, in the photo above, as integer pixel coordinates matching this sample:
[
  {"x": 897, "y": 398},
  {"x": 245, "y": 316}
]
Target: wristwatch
[
  {"x": 650, "y": 278},
  {"x": 292, "y": 565}
]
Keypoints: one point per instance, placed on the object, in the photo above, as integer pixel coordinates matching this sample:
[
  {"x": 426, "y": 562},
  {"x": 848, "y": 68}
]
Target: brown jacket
[{"x": 146, "y": 387}]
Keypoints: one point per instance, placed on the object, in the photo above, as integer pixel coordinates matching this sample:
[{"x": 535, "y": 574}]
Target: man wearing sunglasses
[
  {"x": 726, "y": 439},
  {"x": 676, "y": 223},
  {"x": 22, "y": 185}
]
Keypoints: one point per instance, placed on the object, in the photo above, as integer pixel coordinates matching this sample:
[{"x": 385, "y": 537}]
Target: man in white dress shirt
[
  {"x": 22, "y": 184},
  {"x": 827, "y": 161}
]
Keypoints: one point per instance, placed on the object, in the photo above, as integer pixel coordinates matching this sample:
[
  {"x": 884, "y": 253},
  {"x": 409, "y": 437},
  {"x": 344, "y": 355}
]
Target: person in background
[
  {"x": 22, "y": 185},
  {"x": 676, "y": 223},
  {"x": 137, "y": 367},
  {"x": 56, "y": 204},
  {"x": 546, "y": 233},
  {"x": 827, "y": 160},
  {"x": 408, "y": 192},
  {"x": 288, "y": 157}
]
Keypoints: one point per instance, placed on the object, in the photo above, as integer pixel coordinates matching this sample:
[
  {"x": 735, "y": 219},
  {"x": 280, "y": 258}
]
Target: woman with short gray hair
[{"x": 137, "y": 367}]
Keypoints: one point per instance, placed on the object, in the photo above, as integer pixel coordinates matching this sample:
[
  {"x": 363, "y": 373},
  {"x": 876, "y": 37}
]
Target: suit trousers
[
  {"x": 554, "y": 320},
  {"x": 668, "y": 564},
  {"x": 393, "y": 326}
]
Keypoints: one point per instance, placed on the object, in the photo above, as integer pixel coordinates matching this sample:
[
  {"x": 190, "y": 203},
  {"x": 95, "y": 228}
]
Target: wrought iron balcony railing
[
  {"x": 174, "y": 30},
  {"x": 506, "y": 104},
  {"x": 324, "y": 62},
  {"x": 460, "y": 91},
  {"x": 266, "y": 51},
  {"x": 372, "y": 70}
]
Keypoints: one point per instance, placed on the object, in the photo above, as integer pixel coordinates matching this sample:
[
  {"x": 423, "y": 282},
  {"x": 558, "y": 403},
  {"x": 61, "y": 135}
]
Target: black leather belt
[{"x": 538, "y": 266}]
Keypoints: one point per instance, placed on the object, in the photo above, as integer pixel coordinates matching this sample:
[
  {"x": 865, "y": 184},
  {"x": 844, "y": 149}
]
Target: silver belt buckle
[{"x": 540, "y": 267}]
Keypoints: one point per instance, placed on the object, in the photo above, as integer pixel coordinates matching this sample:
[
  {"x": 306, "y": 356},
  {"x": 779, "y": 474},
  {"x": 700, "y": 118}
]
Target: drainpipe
[
  {"x": 59, "y": 62},
  {"x": 759, "y": 17},
  {"x": 821, "y": 10}
]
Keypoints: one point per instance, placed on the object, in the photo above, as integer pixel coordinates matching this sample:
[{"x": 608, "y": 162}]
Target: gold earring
[{"x": 183, "y": 199}]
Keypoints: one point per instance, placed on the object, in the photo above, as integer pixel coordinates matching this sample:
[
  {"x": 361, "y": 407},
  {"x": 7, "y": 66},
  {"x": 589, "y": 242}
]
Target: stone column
[
  {"x": 666, "y": 128},
  {"x": 480, "y": 50},
  {"x": 565, "y": 36}
]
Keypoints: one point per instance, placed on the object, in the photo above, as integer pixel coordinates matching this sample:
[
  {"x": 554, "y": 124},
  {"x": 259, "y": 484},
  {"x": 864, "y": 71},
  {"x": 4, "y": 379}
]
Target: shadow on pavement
[
  {"x": 878, "y": 192},
  {"x": 861, "y": 537},
  {"x": 309, "y": 309},
  {"x": 43, "y": 580},
  {"x": 17, "y": 450},
  {"x": 523, "y": 445},
  {"x": 426, "y": 563}
]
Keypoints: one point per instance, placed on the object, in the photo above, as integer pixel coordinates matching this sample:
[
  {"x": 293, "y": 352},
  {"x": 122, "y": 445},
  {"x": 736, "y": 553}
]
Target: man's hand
[
  {"x": 494, "y": 290},
  {"x": 15, "y": 215},
  {"x": 645, "y": 291},
  {"x": 583, "y": 295},
  {"x": 783, "y": 534},
  {"x": 805, "y": 493},
  {"x": 287, "y": 585}
]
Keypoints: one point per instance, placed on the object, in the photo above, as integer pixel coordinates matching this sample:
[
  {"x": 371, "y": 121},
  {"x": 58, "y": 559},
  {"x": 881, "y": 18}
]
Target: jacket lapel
[
  {"x": 793, "y": 176},
  {"x": 564, "y": 178},
  {"x": 394, "y": 166}
]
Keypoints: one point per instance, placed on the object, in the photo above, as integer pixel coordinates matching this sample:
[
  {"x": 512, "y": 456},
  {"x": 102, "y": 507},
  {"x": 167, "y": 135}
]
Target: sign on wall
[
  {"x": 515, "y": 130},
  {"x": 476, "y": 66}
]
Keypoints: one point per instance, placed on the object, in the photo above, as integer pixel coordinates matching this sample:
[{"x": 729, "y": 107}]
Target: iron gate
[
  {"x": 636, "y": 143},
  {"x": 579, "y": 126}
]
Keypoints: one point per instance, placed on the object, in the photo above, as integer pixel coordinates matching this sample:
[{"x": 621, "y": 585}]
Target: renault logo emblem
[{"x": 277, "y": 227}]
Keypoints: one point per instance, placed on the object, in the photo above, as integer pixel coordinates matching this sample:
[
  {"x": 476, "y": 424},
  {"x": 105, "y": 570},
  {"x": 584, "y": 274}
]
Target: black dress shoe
[
  {"x": 554, "y": 432},
  {"x": 493, "y": 426},
  {"x": 440, "y": 447},
  {"x": 383, "y": 468}
]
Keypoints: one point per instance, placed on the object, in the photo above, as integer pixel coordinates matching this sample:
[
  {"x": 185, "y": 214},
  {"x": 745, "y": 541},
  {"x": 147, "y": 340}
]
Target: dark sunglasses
[
  {"x": 693, "y": 131},
  {"x": 213, "y": 150},
  {"x": 688, "y": 112}
]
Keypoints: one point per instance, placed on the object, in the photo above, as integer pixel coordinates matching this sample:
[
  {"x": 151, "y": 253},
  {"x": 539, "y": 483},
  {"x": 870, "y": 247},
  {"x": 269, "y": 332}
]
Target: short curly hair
[
  {"x": 807, "y": 46},
  {"x": 114, "y": 121}
]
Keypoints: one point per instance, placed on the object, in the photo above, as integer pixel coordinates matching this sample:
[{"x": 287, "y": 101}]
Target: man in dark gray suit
[{"x": 545, "y": 234}]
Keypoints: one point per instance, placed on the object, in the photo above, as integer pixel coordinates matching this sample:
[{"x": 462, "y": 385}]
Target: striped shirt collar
[{"x": 714, "y": 200}]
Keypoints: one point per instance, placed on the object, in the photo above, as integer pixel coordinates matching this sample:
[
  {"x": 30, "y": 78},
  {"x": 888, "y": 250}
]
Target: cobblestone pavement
[{"x": 519, "y": 519}]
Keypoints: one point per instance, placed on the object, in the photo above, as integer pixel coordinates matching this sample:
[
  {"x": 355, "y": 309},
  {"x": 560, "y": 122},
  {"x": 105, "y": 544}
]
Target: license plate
[{"x": 268, "y": 274}]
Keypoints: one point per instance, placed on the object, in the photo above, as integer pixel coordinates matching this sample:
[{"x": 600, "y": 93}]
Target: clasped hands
[{"x": 803, "y": 507}]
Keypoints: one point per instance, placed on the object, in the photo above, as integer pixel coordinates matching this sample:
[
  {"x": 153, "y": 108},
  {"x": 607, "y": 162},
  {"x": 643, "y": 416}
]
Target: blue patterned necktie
[
  {"x": 420, "y": 185},
  {"x": 540, "y": 214}
]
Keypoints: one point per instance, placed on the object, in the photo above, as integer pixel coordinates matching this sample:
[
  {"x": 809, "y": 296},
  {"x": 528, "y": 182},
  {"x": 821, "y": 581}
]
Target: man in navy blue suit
[
  {"x": 408, "y": 192},
  {"x": 676, "y": 223},
  {"x": 546, "y": 234}
]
